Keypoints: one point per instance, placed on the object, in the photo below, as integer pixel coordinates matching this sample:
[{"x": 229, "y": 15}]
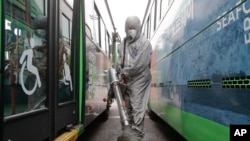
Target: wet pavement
[{"x": 155, "y": 130}]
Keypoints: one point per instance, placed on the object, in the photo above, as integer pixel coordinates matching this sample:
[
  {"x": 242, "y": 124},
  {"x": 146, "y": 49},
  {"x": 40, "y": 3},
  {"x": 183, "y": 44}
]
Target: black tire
[
  {"x": 105, "y": 115},
  {"x": 152, "y": 115}
]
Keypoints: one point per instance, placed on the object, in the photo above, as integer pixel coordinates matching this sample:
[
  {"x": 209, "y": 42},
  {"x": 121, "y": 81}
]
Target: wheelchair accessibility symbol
[{"x": 26, "y": 61}]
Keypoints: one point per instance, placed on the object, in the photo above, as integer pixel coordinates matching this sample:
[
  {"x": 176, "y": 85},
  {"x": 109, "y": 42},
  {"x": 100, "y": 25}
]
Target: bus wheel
[
  {"x": 109, "y": 101},
  {"x": 151, "y": 114}
]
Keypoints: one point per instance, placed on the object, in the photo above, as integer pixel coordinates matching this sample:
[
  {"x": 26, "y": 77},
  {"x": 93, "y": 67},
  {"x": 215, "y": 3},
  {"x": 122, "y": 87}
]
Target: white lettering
[
  {"x": 234, "y": 15},
  {"x": 240, "y": 132},
  {"x": 237, "y": 132},
  {"x": 189, "y": 12},
  {"x": 247, "y": 38},
  {"x": 231, "y": 17},
  {"x": 219, "y": 24},
  {"x": 177, "y": 24},
  {"x": 246, "y": 11},
  {"x": 224, "y": 24},
  {"x": 247, "y": 24},
  {"x": 238, "y": 9},
  {"x": 247, "y": 28},
  {"x": 243, "y": 131},
  {"x": 181, "y": 20}
]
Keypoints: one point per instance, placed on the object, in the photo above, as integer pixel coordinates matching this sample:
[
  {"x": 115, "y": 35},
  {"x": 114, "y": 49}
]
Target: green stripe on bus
[
  {"x": 1, "y": 44},
  {"x": 197, "y": 128},
  {"x": 191, "y": 126},
  {"x": 81, "y": 67}
]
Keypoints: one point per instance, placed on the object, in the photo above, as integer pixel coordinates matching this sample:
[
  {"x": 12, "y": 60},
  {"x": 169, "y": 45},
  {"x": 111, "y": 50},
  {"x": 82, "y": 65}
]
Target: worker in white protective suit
[{"x": 134, "y": 61}]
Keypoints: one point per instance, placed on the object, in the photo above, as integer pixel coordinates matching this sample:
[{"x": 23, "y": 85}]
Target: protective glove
[
  {"x": 119, "y": 70},
  {"x": 122, "y": 71},
  {"x": 122, "y": 79}
]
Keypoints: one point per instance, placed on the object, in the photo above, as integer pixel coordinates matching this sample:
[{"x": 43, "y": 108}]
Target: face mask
[
  {"x": 132, "y": 33},
  {"x": 41, "y": 32}
]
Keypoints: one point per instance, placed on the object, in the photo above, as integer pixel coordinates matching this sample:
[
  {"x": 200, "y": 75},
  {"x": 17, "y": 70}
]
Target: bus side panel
[
  {"x": 199, "y": 64},
  {"x": 97, "y": 79},
  {"x": 98, "y": 59}
]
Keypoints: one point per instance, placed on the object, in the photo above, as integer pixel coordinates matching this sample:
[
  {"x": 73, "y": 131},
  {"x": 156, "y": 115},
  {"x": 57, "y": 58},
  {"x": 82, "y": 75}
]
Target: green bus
[
  {"x": 200, "y": 66},
  {"x": 54, "y": 60}
]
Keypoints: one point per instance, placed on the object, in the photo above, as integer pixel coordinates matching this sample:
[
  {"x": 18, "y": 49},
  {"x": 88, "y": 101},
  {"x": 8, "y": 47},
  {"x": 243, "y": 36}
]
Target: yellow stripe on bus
[{"x": 68, "y": 136}]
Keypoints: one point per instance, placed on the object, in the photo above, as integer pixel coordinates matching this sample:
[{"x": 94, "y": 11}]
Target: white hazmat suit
[{"x": 134, "y": 58}]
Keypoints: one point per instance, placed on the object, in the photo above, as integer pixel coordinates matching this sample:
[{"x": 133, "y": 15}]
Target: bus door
[
  {"x": 66, "y": 69},
  {"x": 24, "y": 89},
  {"x": 38, "y": 70},
  {"x": 1, "y": 72}
]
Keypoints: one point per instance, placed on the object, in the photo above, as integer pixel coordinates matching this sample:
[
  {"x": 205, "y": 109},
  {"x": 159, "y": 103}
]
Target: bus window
[
  {"x": 158, "y": 15},
  {"x": 164, "y": 6},
  {"x": 88, "y": 31},
  {"x": 148, "y": 28},
  {"x": 70, "y": 3},
  {"x": 65, "y": 86},
  {"x": 66, "y": 29},
  {"x": 153, "y": 18},
  {"x": 103, "y": 36},
  {"x": 96, "y": 27},
  {"x": 108, "y": 44},
  {"x": 25, "y": 56}
]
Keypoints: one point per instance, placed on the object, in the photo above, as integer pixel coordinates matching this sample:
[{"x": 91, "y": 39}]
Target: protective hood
[
  {"x": 40, "y": 26},
  {"x": 40, "y": 22},
  {"x": 134, "y": 23}
]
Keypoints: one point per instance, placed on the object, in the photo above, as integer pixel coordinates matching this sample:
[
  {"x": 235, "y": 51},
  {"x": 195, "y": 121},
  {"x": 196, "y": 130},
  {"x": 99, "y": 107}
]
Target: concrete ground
[{"x": 109, "y": 130}]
